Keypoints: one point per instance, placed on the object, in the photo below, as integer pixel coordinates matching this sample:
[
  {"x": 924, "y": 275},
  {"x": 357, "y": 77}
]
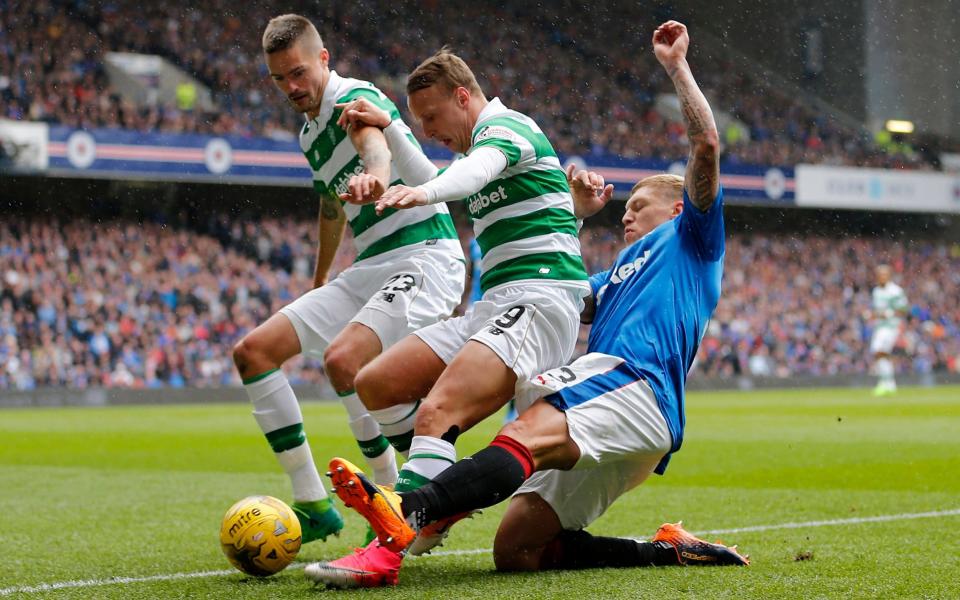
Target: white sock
[
  {"x": 375, "y": 447},
  {"x": 299, "y": 465},
  {"x": 277, "y": 411},
  {"x": 429, "y": 456},
  {"x": 885, "y": 371},
  {"x": 396, "y": 423}
]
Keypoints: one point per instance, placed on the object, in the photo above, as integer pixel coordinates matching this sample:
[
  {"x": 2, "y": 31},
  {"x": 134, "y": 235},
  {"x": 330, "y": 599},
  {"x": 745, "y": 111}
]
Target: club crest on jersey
[{"x": 496, "y": 131}]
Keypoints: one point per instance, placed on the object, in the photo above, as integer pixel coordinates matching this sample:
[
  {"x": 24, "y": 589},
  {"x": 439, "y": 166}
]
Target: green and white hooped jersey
[
  {"x": 523, "y": 220},
  {"x": 333, "y": 160},
  {"x": 888, "y": 297}
]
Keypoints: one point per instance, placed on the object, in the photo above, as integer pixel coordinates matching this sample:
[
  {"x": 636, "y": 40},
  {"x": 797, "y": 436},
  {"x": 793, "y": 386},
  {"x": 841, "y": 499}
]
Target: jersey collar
[{"x": 492, "y": 109}]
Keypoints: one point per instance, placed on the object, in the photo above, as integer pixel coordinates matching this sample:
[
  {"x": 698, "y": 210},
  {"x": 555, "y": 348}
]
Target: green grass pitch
[{"x": 90, "y": 495}]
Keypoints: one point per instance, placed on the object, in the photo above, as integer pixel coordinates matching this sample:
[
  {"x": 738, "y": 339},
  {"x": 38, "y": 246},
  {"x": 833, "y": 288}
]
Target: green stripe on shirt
[
  {"x": 437, "y": 227},
  {"x": 520, "y": 187},
  {"x": 541, "y": 222},
  {"x": 557, "y": 266},
  {"x": 541, "y": 145}
]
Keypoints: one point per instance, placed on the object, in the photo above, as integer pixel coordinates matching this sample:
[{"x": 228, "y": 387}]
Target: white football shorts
[
  {"x": 883, "y": 340},
  {"x": 531, "y": 326},
  {"x": 393, "y": 298},
  {"x": 613, "y": 416}
]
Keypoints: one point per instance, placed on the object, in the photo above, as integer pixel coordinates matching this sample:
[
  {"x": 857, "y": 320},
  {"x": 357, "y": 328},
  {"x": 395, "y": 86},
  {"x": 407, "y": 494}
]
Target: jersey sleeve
[
  {"x": 375, "y": 97},
  {"x": 704, "y": 229},
  {"x": 599, "y": 280},
  {"x": 597, "y": 284},
  {"x": 411, "y": 164},
  {"x": 504, "y": 139},
  {"x": 465, "y": 177}
]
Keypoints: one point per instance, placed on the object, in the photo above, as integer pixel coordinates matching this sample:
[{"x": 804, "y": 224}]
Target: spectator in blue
[{"x": 475, "y": 293}]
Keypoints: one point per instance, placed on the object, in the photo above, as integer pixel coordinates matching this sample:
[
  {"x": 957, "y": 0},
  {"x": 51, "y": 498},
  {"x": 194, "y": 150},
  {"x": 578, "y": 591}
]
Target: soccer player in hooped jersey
[
  {"x": 409, "y": 272},
  {"x": 590, "y": 431},
  {"x": 533, "y": 281},
  {"x": 889, "y": 305}
]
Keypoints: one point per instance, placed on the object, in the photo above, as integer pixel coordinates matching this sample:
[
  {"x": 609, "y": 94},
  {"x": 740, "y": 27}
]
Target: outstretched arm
[
  {"x": 463, "y": 178},
  {"x": 702, "y": 179},
  {"x": 412, "y": 165},
  {"x": 372, "y": 148}
]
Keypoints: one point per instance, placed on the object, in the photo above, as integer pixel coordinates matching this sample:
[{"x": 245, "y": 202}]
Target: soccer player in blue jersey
[{"x": 590, "y": 431}]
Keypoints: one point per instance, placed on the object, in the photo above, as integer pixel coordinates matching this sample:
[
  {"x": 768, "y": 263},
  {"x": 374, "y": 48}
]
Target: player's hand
[
  {"x": 401, "y": 196},
  {"x": 589, "y": 192},
  {"x": 670, "y": 43},
  {"x": 362, "y": 112},
  {"x": 363, "y": 189}
]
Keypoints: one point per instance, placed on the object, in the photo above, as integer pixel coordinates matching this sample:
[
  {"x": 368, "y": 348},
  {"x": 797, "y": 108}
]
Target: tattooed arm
[
  {"x": 332, "y": 222},
  {"x": 372, "y": 147},
  {"x": 702, "y": 179}
]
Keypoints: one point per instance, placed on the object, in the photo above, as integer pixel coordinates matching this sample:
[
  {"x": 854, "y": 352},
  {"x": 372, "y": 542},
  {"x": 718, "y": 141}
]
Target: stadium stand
[
  {"x": 152, "y": 303},
  {"x": 119, "y": 303},
  {"x": 141, "y": 304},
  {"x": 56, "y": 74}
]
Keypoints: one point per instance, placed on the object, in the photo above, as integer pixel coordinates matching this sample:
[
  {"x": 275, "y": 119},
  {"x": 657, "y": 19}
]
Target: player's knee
[
  {"x": 253, "y": 357},
  {"x": 373, "y": 387},
  {"x": 243, "y": 352},
  {"x": 510, "y": 556},
  {"x": 519, "y": 430},
  {"x": 341, "y": 366}
]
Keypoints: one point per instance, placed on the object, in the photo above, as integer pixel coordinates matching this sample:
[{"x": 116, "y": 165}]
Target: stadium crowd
[
  {"x": 141, "y": 304},
  {"x": 594, "y": 100},
  {"x": 127, "y": 304}
]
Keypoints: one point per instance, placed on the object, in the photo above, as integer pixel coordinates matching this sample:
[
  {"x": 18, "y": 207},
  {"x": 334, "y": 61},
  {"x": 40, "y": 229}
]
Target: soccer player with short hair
[
  {"x": 533, "y": 281},
  {"x": 408, "y": 273},
  {"x": 590, "y": 431},
  {"x": 889, "y": 304}
]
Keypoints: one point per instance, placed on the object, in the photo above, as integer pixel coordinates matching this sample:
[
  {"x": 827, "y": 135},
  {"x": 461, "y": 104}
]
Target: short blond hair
[
  {"x": 673, "y": 183},
  {"x": 443, "y": 68},
  {"x": 286, "y": 30}
]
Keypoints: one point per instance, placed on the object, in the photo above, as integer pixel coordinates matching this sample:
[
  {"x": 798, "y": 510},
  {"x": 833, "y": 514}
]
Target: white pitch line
[
  {"x": 47, "y": 587},
  {"x": 851, "y": 521}
]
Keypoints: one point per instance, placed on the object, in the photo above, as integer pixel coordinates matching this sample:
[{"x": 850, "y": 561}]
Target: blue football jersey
[
  {"x": 654, "y": 304},
  {"x": 475, "y": 258}
]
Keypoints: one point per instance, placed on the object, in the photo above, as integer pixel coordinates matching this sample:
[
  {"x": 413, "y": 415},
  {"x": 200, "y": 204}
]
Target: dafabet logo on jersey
[{"x": 480, "y": 201}]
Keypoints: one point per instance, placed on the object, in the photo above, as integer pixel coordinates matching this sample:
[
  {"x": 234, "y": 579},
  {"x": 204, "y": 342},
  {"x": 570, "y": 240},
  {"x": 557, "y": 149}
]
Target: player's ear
[
  {"x": 677, "y": 208},
  {"x": 463, "y": 96}
]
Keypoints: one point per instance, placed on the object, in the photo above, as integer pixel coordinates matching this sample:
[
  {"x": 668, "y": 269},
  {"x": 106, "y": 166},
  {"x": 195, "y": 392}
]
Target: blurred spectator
[
  {"x": 594, "y": 99},
  {"x": 127, "y": 304}
]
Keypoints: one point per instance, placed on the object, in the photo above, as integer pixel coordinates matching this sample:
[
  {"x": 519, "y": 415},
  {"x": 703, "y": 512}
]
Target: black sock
[
  {"x": 581, "y": 550},
  {"x": 482, "y": 480}
]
